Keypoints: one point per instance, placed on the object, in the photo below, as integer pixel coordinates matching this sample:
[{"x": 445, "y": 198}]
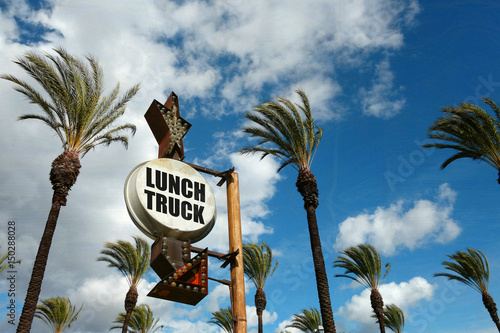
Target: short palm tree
[
  {"x": 258, "y": 266},
  {"x": 394, "y": 318},
  {"x": 471, "y": 268},
  {"x": 308, "y": 321},
  {"x": 363, "y": 265},
  {"x": 141, "y": 320},
  {"x": 223, "y": 318},
  {"x": 83, "y": 118},
  {"x": 286, "y": 135},
  {"x": 58, "y": 313},
  {"x": 133, "y": 262},
  {"x": 471, "y": 132}
]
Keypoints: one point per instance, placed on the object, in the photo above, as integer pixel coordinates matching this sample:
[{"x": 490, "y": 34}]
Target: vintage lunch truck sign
[
  {"x": 170, "y": 202},
  {"x": 170, "y": 198}
]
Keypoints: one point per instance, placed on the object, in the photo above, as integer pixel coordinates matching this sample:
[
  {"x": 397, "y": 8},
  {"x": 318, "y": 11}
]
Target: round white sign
[{"x": 168, "y": 197}]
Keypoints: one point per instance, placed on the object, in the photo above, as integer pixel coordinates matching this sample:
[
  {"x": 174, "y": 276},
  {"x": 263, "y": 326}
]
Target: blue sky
[{"x": 377, "y": 74}]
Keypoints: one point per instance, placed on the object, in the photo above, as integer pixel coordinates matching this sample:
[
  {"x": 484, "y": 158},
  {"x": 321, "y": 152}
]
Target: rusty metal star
[{"x": 168, "y": 127}]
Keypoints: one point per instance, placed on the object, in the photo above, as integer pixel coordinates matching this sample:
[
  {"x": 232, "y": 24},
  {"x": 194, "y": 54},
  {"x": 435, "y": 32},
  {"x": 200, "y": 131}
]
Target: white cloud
[
  {"x": 392, "y": 228},
  {"x": 382, "y": 100},
  {"x": 321, "y": 93},
  {"x": 282, "y": 327},
  {"x": 257, "y": 184},
  {"x": 252, "y": 320},
  {"x": 405, "y": 295},
  {"x": 217, "y": 296},
  {"x": 237, "y": 46}
]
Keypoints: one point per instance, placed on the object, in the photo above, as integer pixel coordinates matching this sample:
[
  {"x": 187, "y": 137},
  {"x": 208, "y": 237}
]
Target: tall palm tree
[
  {"x": 258, "y": 267},
  {"x": 223, "y": 318},
  {"x": 58, "y": 313},
  {"x": 472, "y": 269},
  {"x": 83, "y": 118},
  {"x": 141, "y": 320},
  {"x": 308, "y": 321},
  {"x": 363, "y": 265},
  {"x": 284, "y": 134},
  {"x": 394, "y": 318},
  {"x": 133, "y": 262},
  {"x": 470, "y": 131}
]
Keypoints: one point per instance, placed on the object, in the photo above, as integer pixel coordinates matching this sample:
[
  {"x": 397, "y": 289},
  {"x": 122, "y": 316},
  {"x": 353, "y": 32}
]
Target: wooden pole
[{"x": 237, "y": 287}]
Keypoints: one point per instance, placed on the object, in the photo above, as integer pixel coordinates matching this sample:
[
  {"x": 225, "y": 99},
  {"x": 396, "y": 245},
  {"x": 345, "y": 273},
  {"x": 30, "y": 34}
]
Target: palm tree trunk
[
  {"x": 378, "y": 307},
  {"x": 490, "y": 305},
  {"x": 260, "y": 305},
  {"x": 126, "y": 322},
  {"x": 130, "y": 303},
  {"x": 35, "y": 284},
  {"x": 63, "y": 174},
  {"x": 307, "y": 187}
]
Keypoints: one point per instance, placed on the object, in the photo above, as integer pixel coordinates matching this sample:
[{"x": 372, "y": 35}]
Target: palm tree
[
  {"x": 394, "y": 318},
  {"x": 365, "y": 265},
  {"x": 141, "y": 320},
  {"x": 83, "y": 119},
  {"x": 58, "y": 313},
  {"x": 284, "y": 134},
  {"x": 308, "y": 321},
  {"x": 224, "y": 319},
  {"x": 472, "y": 269},
  {"x": 258, "y": 266},
  {"x": 133, "y": 263},
  {"x": 470, "y": 131}
]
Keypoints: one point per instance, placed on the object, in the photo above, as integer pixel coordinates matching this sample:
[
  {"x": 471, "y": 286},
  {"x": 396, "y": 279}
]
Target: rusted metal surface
[
  {"x": 188, "y": 284},
  {"x": 169, "y": 137},
  {"x": 169, "y": 254}
]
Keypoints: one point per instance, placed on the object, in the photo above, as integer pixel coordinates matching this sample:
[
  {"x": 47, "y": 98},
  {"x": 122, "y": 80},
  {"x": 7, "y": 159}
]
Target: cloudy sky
[{"x": 377, "y": 74}]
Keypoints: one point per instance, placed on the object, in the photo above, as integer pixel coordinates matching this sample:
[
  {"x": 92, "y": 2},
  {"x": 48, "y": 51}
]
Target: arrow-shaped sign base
[{"x": 188, "y": 284}]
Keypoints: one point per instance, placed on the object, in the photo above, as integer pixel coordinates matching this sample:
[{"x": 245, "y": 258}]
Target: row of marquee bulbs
[
  {"x": 185, "y": 255},
  {"x": 183, "y": 269},
  {"x": 176, "y": 125}
]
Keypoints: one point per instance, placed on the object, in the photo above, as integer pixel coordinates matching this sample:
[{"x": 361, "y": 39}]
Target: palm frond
[
  {"x": 7, "y": 264},
  {"x": 258, "y": 263},
  {"x": 363, "y": 265},
  {"x": 470, "y": 267},
  {"x": 308, "y": 321},
  {"x": 132, "y": 261},
  {"x": 76, "y": 107},
  {"x": 394, "y": 318},
  {"x": 142, "y": 320},
  {"x": 469, "y": 130},
  {"x": 58, "y": 313},
  {"x": 223, "y": 318},
  {"x": 283, "y": 132}
]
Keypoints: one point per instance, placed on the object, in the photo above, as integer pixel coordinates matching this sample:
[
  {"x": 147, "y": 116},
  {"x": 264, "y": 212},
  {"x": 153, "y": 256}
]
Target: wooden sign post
[{"x": 235, "y": 244}]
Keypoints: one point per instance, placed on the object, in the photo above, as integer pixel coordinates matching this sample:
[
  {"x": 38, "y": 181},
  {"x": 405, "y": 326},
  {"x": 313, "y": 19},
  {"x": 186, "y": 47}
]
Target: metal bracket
[
  {"x": 224, "y": 175},
  {"x": 224, "y": 281},
  {"x": 227, "y": 257}
]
